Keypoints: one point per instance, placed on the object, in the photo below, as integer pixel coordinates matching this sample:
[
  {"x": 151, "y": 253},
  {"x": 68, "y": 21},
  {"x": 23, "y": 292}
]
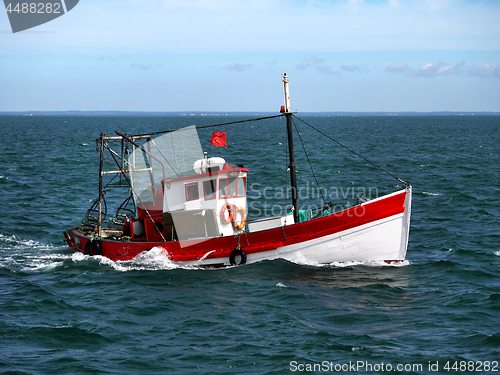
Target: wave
[
  {"x": 14, "y": 242},
  {"x": 380, "y": 263},
  {"x": 155, "y": 259},
  {"x": 377, "y": 264},
  {"x": 27, "y": 255},
  {"x": 431, "y": 194}
]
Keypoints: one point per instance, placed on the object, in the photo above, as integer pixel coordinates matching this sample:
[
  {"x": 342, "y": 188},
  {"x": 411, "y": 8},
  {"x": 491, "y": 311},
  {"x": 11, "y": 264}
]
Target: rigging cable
[
  {"x": 136, "y": 195},
  {"x": 354, "y": 152},
  {"x": 211, "y": 126}
]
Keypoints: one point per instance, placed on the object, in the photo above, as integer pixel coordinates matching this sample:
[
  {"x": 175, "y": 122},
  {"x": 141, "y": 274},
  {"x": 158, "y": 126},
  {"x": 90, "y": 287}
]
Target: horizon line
[{"x": 236, "y": 113}]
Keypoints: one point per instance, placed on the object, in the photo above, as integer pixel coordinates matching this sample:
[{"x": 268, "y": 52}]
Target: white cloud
[
  {"x": 355, "y": 5},
  {"x": 140, "y": 66},
  {"x": 427, "y": 70},
  {"x": 317, "y": 63},
  {"x": 143, "y": 66},
  {"x": 312, "y": 61},
  {"x": 439, "y": 69},
  {"x": 489, "y": 70},
  {"x": 237, "y": 67},
  {"x": 354, "y": 68},
  {"x": 400, "y": 68},
  {"x": 321, "y": 65},
  {"x": 436, "y": 5}
]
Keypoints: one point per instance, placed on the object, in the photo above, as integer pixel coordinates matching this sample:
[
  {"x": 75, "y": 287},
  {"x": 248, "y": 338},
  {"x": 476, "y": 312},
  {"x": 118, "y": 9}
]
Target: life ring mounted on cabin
[
  {"x": 229, "y": 209},
  {"x": 239, "y": 211},
  {"x": 229, "y": 214}
]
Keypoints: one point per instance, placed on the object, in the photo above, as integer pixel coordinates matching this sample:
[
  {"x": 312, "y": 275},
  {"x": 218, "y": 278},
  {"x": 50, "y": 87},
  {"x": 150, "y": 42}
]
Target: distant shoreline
[{"x": 256, "y": 113}]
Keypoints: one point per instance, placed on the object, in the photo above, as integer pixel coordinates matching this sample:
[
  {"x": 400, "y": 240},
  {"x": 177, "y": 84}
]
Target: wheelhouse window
[
  {"x": 223, "y": 185},
  {"x": 192, "y": 192},
  {"x": 242, "y": 186},
  {"x": 209, "y": 188},
  {"x": 232, "y": 187}
]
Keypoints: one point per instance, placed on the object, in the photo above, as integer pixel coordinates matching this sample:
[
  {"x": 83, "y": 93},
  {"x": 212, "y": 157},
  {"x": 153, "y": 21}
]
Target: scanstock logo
[{"x": 24, "y": 15}]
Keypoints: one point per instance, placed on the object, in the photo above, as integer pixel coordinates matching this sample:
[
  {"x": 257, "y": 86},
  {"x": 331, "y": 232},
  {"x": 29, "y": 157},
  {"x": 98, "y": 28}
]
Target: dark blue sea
[{"x": 65, "y": 313}]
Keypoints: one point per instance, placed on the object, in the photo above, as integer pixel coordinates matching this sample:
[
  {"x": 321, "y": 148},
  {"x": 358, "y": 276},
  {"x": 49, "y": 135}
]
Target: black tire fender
[
  {"x": 93, "y": 247},
  {"x": 234, "y": 254},
  {"x": 86, "y": 248},
  {"x": 96, "y": 247}
]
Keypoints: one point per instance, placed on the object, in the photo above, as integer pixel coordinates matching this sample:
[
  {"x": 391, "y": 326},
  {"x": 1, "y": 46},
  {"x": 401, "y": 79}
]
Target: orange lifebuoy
[
  {"x": 241, "y": 225},
  {"x": 223, "y": 219}
]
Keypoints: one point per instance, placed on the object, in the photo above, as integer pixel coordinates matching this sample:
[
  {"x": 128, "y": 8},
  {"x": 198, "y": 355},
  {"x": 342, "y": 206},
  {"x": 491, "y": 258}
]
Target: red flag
[{"x": 219, "y": 139}]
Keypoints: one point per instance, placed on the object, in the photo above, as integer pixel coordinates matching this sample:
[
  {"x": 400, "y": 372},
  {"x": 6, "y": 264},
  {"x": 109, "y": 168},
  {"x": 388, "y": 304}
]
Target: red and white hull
[
  {"x": 374, "y": 231},
  {"x": 381, "y": 240}
]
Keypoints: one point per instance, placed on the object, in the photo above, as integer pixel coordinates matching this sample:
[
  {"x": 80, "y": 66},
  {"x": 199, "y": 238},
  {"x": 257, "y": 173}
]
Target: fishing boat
[{"x": 194, "y": 208}]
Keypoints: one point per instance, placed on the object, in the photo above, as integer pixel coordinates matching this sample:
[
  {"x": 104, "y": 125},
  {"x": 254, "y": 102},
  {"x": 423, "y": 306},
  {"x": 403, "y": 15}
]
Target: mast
[
  {"x": 101, "y": 193},
  {"x": 293, "y": 171}
]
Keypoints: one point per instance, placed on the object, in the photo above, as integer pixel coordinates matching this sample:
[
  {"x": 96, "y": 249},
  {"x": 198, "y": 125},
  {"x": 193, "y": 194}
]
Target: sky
[{"x": 229, "y": 55}]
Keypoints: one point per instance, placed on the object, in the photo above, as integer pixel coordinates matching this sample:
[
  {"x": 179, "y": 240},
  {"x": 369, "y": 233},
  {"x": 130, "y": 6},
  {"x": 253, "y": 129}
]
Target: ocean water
[{"x": 62, "y": 312}]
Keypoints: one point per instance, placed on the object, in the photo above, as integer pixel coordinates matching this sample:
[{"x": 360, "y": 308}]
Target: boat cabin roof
[{"x": 227, "y": 169}]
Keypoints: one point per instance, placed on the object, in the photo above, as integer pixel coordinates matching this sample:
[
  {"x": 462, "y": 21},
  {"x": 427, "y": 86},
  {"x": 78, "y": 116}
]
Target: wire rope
[{"x": 354, "y": 152}]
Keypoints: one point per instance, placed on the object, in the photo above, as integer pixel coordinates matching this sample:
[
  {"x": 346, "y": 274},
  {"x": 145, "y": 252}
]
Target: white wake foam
[
  {"x": 151, "y": 260},
  {"x": 24, "y": 255},
  {"x": 301, "y": 260},
  {"x": 377, "y": 263}
]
